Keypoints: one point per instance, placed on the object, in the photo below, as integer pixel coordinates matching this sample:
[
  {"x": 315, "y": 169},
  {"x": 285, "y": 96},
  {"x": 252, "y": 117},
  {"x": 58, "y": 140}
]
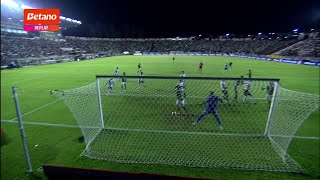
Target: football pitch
[{"x": 51, "y": 128}]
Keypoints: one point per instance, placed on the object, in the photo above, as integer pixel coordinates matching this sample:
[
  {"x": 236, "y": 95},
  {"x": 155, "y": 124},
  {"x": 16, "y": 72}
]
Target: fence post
[{"x": 23, "y": 136}]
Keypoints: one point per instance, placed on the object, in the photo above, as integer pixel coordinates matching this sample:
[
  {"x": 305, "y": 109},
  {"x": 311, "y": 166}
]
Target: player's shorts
[
  {"x": 123, "y": 83},
  {"x": 180, "y": 102},
  {"x": 139, "y": 69},
  {"x": 110, "y": 87},
  {"x": 141, "y": 81},
  {"x": 225, "y": 92},
  {"x": 200, "y": 67},
  {"x": 225, "y": 68},
  {"x": 210, "y": 110},
  {"x": 247, "y": 93},
  {"x": 268, "y": 97}
]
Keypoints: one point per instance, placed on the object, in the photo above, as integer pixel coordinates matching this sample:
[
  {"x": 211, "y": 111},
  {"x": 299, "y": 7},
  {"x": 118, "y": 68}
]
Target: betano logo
[{"x": 41, "y": 19}]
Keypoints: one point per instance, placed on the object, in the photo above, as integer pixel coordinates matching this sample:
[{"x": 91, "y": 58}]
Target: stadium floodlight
[
  {"x": 9, "y": 18},
  {"x": 296, "y": 30},
  {"x": 74, "y": 20},
  {"x": 227, "y": 34},
  {"x": 68, "y": 19},
  {"x": 25, "y": 7},
  {"x": 62, "y": 17},
  {"x": 249, "y": 35},
  {"x": 199, "y": 35},
  {"x": 10, "y": 3},
  {"x": 260, "y": 33},
  {"x": 312, "y": 29},
  {"x": 21, "y": 20}
]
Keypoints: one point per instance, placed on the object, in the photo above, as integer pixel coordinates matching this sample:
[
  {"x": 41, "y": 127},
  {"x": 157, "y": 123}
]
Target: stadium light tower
[
  {"x": 260, "y": 33},
  {"x": 25, "y": 7},
  {"x": 296, "y": 30},
  {"x": 10, "y": 3}
]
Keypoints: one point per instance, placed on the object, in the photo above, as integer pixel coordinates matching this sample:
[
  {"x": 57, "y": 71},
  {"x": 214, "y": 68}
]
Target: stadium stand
[
  {"x": 20, "y": 46},
  {"x": 307, "y": 48}
]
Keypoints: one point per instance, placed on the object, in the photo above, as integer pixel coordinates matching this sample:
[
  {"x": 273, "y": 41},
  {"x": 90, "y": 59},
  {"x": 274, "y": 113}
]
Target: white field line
[
  {"x": 159, "y": 131},
  {"x": 38, "y": 108},
  {"x": 50, "y": 124}
]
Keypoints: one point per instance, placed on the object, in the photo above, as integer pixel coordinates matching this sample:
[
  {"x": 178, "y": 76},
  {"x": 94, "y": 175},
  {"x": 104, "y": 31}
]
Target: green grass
[{"x": 58, "y": 145}]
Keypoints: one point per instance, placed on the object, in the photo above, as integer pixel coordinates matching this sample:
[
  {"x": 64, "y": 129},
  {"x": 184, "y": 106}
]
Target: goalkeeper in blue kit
[{"x": 212, "y": 102}]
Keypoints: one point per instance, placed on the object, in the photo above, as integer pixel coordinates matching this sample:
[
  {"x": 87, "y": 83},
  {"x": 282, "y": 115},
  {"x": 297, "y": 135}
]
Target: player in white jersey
[
  {"x": 183, "y": 75},
  {"x": 110, "y": 84},
  {"x": 181, "y": 85},
  {"x": 247, "y": 87},
  {"x": 226, "y": 66},
  {"x": 224, "y": 90},
  {"x": 116, "y": 72}
]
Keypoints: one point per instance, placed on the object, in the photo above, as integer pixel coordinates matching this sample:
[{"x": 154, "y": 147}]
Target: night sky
[{"x": 171, "y": 18}]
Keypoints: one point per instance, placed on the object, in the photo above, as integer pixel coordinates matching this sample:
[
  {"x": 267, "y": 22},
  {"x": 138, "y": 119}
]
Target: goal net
[{"x": 141, "y": 123}]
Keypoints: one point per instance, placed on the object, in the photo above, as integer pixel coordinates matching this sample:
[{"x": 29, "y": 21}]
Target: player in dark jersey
[
  {"x": 236, "y": 87},
  {"x": 249, "y": 73},
  {"x": 124, "y": 81},
  {"x": 270, "y": 89},
  {"x": 173, "y": 59},
  {"x": 139, "y": 68},
  {"x": 200, "y": 66},
  {"x": 230, "y": 64},
  {"x": 212, "y": 102}
]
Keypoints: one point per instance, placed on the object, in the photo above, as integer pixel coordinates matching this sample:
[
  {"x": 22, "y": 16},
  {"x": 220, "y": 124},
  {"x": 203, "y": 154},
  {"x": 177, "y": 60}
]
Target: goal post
[
  {"x": 145, "y": 121},
  {"x": 275, "y": 92}
]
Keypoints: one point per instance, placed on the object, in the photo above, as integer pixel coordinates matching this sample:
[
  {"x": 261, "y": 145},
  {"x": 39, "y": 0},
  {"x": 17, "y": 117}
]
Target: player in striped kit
[
  {"x": 247, "y": 87},
  {"x": 224, "y": 89},
  {"x": 181, "y": 96}
]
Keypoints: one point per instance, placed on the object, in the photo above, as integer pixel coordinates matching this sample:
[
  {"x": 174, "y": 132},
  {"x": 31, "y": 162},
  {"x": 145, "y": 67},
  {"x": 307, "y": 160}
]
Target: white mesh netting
[{"x": 143, "y": 125}]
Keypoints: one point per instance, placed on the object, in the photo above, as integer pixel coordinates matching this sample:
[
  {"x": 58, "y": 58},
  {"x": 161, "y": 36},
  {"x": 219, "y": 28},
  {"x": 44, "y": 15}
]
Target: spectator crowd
[{"x": 18, "y": 47}]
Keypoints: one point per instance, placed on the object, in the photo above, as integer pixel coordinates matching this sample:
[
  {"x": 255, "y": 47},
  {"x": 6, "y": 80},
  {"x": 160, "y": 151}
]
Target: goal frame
[{"x": 274, "y": 97}]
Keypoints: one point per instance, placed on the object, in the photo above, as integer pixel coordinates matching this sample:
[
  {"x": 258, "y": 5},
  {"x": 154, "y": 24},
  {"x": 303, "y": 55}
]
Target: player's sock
[
  {"x": 185, "y": 109},
  {"x": 244, "y": 99},
  {"x": 252, "y": 100}
]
